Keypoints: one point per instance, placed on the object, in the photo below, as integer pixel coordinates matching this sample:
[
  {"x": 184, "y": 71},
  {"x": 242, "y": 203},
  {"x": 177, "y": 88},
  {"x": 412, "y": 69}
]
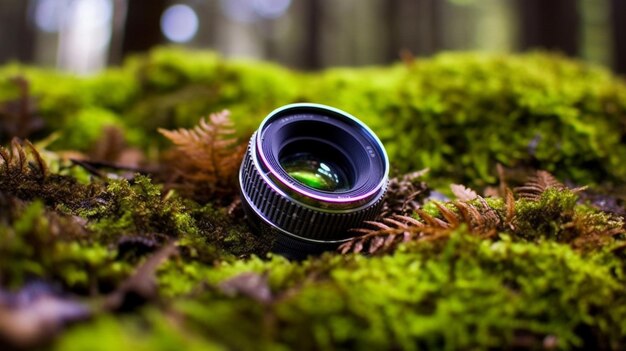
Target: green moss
[
  {"x": 178, "y": 89},
  {"x": 468, "y": 294},
  {"x": 459, "y": 113},
  {"x": 41, "y": 245},
  {"x": 138, "y": 208},
  {"x": 546, "y": 217},
  {"x": 141, "y": 209},
  {"x": 15, "y": 244},
  {"x": 555, "y": 276},
  {"x": 113, "y": 90},
  {"x": 109, "y": 333},
  {"x": 85, "y": 128}
]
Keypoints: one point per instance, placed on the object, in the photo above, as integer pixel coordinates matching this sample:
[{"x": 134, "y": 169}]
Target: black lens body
[{"x": 312, "y": 172}]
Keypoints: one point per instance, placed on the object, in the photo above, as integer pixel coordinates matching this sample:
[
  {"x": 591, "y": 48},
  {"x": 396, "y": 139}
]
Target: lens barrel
[{"x": 312, "y": 172}]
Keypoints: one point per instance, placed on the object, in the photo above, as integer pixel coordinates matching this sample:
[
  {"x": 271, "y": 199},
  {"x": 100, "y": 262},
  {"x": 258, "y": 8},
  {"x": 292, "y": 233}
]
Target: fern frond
[
  {"x": 404, "y": 194},
  {"x": 492, "y": 219},
  {"x": 397, "y": 223},
  {"x": 16, "y": 149},
  {"x": 463, "y": 193},
  {"x": 477, "y": 215},
  {"x": 40, "y": 164},
  {"x": 448, "y": 215},
  {"x": 581, "y": 229},
  {"x": 206, "y": 156},
  {"x": 15, "y": 161},
  {"x": 469, "y": 215},
  {"x": 385, "y": 234},
  {"x": 6, "y": 159},
  {"x": 591, "y": 231},
  {"x": 537, "y": 185},
  {"x": 432, "y": 221},
  {"x": 509, "y": 203}
]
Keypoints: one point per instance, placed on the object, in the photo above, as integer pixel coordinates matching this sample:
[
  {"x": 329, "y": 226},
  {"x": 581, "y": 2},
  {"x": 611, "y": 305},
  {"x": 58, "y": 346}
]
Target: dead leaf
[
  {"x": 463, "y": 193},
  {"x": 252, "y": 285},
  {"x": 141, "y": 286},
  {"x": 34, "y": 315}
]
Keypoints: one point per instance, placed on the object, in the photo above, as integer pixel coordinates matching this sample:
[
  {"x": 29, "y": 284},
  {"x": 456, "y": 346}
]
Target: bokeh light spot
[
  {"x": 48, "y": 15},
  {"x": 179, "y": 23}
]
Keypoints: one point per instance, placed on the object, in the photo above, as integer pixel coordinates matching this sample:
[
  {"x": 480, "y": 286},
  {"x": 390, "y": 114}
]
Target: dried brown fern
[
  {"x": 207, "y": 157},
  {"x": 537, "y": 185},
  {"x": 463, "y": 193},
  {"x": 582, "y": 229},
  {"x": 18, "y": 117},
  {"x": 382, "y": 235},
  {"x": 24, "y": 175},
  {"x": 385, "y": 234},
  {"x": 534, "y": 188},
  {"x": 404, "y": 194},
  {"x": 18, "y": 160},
  {"x": 509, "y": 203},
  {"x": 589, "y": 231}
]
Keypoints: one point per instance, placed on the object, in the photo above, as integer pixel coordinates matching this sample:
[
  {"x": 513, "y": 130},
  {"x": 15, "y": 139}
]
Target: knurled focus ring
[{"x": 296, "y": 218}]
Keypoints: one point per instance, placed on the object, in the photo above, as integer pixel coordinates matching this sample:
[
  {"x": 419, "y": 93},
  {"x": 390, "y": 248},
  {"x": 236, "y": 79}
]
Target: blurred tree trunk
[
  {"x": 120, "y": 8},
  {"x": 618, "y": 11},
  {"x": 312, "y": 59},
  {"x": 18, "y": 36},
  {"x": 413, "y": 27},
  {"x": 143, "y": 25},
  {"x": 552, "y": 25}
]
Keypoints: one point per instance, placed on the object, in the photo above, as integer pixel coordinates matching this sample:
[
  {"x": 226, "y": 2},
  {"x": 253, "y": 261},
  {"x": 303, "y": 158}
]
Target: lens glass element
[{"x": 314, "y": 172}]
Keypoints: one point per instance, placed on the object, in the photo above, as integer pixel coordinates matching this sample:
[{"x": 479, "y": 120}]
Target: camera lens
[{"x": 312, "y": 172}]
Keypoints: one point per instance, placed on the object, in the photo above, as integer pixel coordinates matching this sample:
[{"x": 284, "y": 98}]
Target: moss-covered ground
[{"x": 102, "y": 248}]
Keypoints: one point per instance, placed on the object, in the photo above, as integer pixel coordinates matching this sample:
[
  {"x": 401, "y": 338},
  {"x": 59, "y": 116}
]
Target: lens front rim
[
  {"x": 339, "y": 199},
  {"x": 270, "y": 208}
]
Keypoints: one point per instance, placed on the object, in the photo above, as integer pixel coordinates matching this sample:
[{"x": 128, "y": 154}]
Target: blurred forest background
[{"x": 84, "y": 36}]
